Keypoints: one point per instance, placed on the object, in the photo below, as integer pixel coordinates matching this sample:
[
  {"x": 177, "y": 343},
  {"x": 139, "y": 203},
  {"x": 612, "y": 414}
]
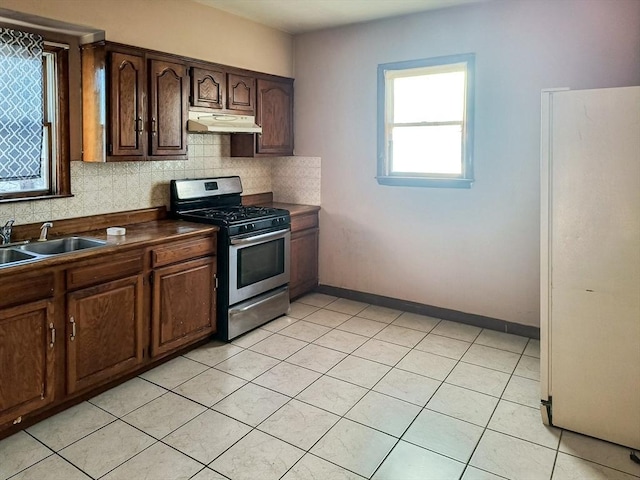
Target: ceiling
[{"x": 299, "y": 16}]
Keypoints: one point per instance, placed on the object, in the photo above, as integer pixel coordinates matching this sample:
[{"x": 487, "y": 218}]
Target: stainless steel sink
[
  {"x": 61, "y": 245},
  {"x": 8, "y": 256}
]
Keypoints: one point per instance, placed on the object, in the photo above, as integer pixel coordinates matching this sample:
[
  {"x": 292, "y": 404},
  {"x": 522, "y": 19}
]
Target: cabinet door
[
  {"x": 27, "y": 337},
  {"x": 241, "y": 93},
  {"x": 168, "y": 106},
  {"x": 304, "y": 262},
  {"x": 127, "y": 136},
  {"x": 104, "y": 332},
  {"x": 184, "y": 304},
  {"x": 207, "y": 87},
  {"x": 275, "y": 115}
]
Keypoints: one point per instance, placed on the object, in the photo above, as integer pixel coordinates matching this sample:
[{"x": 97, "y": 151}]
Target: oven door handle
[{"x": 259, "y": 238}]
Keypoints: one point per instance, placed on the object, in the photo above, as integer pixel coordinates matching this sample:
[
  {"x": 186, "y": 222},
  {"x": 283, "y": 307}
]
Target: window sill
[
  {"x": 38, "y": 197},
  {"x": 395, "y": 181}
]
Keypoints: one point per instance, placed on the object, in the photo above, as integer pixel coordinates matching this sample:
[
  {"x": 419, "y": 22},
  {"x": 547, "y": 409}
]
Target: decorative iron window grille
[{"x": 21, "y": 105}]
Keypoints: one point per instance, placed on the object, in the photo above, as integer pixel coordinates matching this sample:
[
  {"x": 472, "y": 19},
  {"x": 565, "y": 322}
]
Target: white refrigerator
[{"x": 590, "y": 262}]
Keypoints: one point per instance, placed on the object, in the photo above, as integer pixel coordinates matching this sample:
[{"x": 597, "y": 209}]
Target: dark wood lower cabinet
[
  {"x": 104, "y": 332},
  {"x": 27, "y": 341},
  {"x": 183, "y": 304},
  {"x": 70, "y": 330},
  {"x": 304, "y": 262}
]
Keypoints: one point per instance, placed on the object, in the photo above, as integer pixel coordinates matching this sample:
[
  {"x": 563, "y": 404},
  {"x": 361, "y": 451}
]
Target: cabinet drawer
[
  {"x": 301, "y": 222},
  {"x": 26, "y": 288},
  {"x": 179, "y": 251},
  {"x": 116, "y": 267}
]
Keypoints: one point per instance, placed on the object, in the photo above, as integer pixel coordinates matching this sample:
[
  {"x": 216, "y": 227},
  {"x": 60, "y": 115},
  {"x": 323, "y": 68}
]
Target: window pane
[
  {"x": 429, "y": 98},
  {"x": 433, "y": 149},
  {"x": 21, "y": 110}
]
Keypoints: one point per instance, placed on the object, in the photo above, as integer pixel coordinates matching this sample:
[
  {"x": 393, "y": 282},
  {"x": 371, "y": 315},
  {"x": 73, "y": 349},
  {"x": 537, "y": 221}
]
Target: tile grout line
[
  {"x": 323, "y": 374},
  {"x": 371, "y": 388}
]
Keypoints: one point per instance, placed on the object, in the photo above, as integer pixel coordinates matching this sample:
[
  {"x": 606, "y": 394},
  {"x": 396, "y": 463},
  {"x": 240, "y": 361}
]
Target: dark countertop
[
  {"x": 138, "y": 234},
  {"x": 296, "y": 209},
  {"x": 266, "y": 200}
]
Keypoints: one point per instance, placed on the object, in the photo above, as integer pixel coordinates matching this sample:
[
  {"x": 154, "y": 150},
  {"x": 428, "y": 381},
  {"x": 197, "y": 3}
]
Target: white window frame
[{"x": 386, "y": 74}]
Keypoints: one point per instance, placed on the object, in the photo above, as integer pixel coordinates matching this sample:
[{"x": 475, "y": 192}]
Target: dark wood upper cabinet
[
  {"x": 207, "y": 88},
  {"x": 241, "y": 93},
  {"x": 275, "y": 115},
  {"x": 168, "y": 94},
  {"x": 274, "y": 112},
  {"x": 127, "y": 79},
  {"x": 145, "y": 98}
]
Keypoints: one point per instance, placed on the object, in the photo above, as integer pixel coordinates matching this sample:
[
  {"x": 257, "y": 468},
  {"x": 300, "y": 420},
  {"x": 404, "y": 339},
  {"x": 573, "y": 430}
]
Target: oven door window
[{"x": 259, "y": 262}]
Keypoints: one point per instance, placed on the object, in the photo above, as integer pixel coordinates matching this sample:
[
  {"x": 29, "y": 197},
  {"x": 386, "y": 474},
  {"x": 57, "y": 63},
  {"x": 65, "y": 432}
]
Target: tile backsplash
[
  {"x": 119, "y": 186},
  {"x": 296, "y": 180}
]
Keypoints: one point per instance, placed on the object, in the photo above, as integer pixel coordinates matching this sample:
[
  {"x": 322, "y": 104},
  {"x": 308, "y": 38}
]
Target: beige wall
[
  {"x": 183, "y": 27},
  {"x": 473, "y": 250}
]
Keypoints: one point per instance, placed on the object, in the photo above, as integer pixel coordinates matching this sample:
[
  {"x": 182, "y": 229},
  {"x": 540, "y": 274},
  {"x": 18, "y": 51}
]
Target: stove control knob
[
  {"x": 242, "y": 228},
  {"x": 274, "y": 221}
]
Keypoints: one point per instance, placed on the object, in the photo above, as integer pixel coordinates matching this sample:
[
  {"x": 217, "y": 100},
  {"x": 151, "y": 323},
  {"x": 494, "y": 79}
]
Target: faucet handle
[
  {"x": 46, "y": 225},
  {"x": 9, "y": 223}
]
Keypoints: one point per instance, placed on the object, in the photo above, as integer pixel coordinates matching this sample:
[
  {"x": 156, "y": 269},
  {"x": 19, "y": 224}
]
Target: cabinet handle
[
  {"x": 153, "y": 126},
  {"x": 53, "y": 334},
  {"x": 139, "y": 125},
  {"x": 73, "y": 328}
]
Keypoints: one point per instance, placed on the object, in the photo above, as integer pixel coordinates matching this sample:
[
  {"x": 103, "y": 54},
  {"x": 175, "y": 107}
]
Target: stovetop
[
  {"x": 242, "y": 220},
  {"x": 238, "y": 213},
  {"x": 217, "y": 201}
]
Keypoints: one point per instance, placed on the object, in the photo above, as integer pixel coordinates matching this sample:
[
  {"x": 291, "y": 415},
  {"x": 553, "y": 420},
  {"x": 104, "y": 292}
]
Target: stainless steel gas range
[{"x": 253, "y": 251}]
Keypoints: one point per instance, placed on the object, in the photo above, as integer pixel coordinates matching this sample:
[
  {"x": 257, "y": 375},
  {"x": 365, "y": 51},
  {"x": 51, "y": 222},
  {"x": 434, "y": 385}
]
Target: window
[
  {"x": 425, "y": 122},
  {"x": 34, "y": 156}
]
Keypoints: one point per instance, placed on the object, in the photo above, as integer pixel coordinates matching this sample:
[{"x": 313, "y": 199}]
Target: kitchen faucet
[
  {"x": 5, "y": 232},
  {"x": 44, "y": 229}
]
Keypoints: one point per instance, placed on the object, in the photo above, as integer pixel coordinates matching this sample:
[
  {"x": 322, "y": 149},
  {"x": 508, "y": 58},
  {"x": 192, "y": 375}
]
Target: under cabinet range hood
[{"x": 221, "y": 122}]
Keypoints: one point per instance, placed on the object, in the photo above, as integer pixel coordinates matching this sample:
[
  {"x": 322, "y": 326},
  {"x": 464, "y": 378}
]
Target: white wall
[{"x": 476, "y": 250}]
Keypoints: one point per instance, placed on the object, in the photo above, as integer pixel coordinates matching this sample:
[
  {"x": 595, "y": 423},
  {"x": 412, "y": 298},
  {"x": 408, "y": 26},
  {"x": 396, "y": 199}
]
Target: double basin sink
[{"x": 17, "y": 254}]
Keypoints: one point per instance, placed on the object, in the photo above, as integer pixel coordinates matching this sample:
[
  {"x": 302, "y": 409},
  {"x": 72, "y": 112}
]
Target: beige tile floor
[{"x": 336, "y": 390}]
